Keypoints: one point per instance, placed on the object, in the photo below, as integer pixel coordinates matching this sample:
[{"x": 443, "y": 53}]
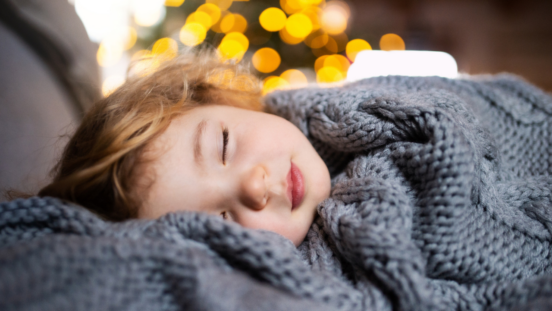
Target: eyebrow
[{"x": 198, "y": 157}]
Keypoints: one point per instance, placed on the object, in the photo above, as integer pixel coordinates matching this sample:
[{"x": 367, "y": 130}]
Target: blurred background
[{"x": 57, "y": 57}]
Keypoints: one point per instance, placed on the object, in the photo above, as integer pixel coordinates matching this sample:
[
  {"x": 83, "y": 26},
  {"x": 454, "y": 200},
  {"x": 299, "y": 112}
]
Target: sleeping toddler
[{"x": 193, "y": 136}]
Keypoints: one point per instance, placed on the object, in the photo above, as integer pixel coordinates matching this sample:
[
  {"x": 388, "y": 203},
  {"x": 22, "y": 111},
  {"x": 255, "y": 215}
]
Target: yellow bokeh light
[
  {"x": 328, "y": 75},
  {"x": 272, "y": 19},
  {"x": 231, "y": 49},
  {"x": 332, "y": 46},
  {"x": 140, "y": 55},
  {"x": 111, "y": 84},
  {"x": 287, "y": 38},
  {"x": 227, "y": 22},
  {"x": 313, "y": 13},
  {"x": 294, "y": 6},
  {"x": 144, "y": 63},
  {"x": 317, "y": 39},
  {"x": 391, "y": 42},
  {"x": 294, "y": 77},
  {"x": 166, "y": 48},
  {"x": 222, "y": 4},
  {"x": 240, "y": 24},
  {"x": 335, "y": 17},
  {"x": 216, "y": 26},
  {"x": 319, "y": 63},
  {"x": 109, "y": 53},
  {"x": 272, "y": 83},
  {"x": 131, "y": 38},
  {"x": 174, "y": 3},
  {"x": 298, "y": 25},
  {"x": 289, "y": 8},
  {"x": 266, "y": 60},
  {"x": 233, "y": 46},
  {"x": 238, "y": 37},
  {"x": 338, "y": 62},
  {"x": 355, "y": 46},
  {"x": 192, "y": 34},
  {"x": 211, "y": 9},
  {"x": 200, "y": 17}
]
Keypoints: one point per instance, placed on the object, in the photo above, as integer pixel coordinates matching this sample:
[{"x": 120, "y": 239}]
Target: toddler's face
[{"x": 249, "y": 167}]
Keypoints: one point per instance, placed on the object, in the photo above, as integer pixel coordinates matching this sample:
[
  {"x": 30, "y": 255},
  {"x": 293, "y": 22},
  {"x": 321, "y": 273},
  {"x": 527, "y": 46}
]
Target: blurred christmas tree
[{"x": 289, "y": 42}]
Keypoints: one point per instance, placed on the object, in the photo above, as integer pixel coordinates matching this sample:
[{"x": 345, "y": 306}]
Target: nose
[{"x": 253, "y": 189}]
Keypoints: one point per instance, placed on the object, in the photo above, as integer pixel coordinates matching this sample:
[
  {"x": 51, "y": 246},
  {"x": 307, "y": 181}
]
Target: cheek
[{"x": 294, "y": 230}]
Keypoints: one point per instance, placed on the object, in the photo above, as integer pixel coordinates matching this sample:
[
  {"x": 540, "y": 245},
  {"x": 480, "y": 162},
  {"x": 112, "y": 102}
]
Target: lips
[{"x": 296, "y": 186}]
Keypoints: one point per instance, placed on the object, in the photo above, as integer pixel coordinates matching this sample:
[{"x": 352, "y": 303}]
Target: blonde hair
[{"x": 99, "y": 166}]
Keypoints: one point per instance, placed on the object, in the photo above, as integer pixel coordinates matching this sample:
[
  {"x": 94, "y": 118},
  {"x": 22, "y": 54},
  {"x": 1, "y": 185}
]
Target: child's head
[{"x": 192, "y": 136}]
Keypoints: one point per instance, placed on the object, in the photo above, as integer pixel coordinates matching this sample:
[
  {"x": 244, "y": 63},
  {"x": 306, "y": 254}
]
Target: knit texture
[{"x": 441, "y": 200}]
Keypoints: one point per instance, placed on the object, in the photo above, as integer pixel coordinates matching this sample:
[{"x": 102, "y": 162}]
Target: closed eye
[
  {"x": 224, "y": 144},
  {"x": 224, "y": 215}
]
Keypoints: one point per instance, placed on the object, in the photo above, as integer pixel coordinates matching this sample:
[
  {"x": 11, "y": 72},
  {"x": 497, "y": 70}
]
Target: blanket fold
[{"x": 441, "y": 200}]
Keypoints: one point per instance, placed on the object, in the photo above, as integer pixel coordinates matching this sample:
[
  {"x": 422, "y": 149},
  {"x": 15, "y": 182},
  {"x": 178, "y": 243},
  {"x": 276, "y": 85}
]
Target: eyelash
[
  {"x": 224, "y": 144},
  {"x": 224, "y": 215}
]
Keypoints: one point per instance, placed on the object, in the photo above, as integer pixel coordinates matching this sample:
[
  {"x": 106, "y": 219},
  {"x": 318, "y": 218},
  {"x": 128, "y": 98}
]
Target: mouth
[{"x": 296, "y": 186}]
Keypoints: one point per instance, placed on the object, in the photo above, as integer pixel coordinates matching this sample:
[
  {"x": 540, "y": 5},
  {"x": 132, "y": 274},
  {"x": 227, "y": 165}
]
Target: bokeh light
[
  {"x": 233, "y": 46},
  {"x": 239, "y": 24},
  {"x": 227, "y": 22},
  {"x": 211, "y": 9},
  {"x": 272, "y": 83},
  {"x": 287, "y": 38},
  {"x": 200, "y": 17},
  {"x": 222, "y": 4},
  {"x": 338, "y": 62},
  {"x": 143, "y": 63},
  {"x": 317, "y": 39},
  {"x": 321, "y": 25},
  {"x": 391, "y": 42},
  {"x": 165, "y": 48},
  {"x": 174, "y": 3},
  {"x": 355, "y": 46},
  {"x": 298, "y": 25},
  {"x": 313, "y": 13},
  {"x": 294, "y": 77},
  {"x": 192, "y": 34},
  {"x": 111, "y": 84},
  {"x": 148, "y": 12},
  {"x": 319, "y": 63},
  {"x": 130, "y": 39},
  {"x": 329, "y": 75},
  {"x": 335, "y": 17},
  {"x": 272, "y": 19},
  {"x": 266, "y": 60},
  {"x": 109, "y": 52}
]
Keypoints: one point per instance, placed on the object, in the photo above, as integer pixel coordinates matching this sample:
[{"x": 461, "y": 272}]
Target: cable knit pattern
[{"x": 441, "y": 200}]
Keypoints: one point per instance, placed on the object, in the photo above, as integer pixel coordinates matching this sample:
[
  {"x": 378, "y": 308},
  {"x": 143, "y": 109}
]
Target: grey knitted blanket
[{"x": 441, "y": 200}]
